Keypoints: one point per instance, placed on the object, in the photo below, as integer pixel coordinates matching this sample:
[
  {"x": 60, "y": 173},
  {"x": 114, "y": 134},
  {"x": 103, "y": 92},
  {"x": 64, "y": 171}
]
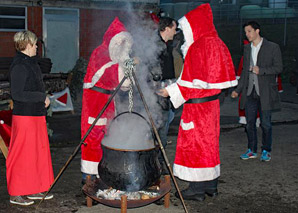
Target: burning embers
[{"x": 114, "y": 194}]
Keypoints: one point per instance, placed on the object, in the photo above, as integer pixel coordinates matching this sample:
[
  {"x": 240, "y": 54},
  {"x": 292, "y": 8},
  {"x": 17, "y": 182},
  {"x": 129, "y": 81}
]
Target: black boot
[
  {"x": 211, "y": 187},
  {"x": 193, "y": 192}
]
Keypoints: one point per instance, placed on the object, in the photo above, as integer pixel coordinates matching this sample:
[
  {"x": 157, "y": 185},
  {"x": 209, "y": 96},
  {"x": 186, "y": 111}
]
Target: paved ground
[{"x": 244, "y": 186}]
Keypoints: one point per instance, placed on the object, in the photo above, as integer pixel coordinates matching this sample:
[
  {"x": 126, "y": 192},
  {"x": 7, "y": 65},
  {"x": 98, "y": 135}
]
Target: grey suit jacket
[{"x": 270, "y": 65}]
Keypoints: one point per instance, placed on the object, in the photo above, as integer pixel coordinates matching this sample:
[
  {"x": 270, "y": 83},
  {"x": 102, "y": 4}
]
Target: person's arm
[
  {"x": 276, "y": 67},
  {"x": 18, "y": 77}
]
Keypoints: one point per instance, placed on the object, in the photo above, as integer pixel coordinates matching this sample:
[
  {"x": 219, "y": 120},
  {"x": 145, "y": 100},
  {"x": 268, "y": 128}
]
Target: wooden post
[
  {"x": 88, "y": 199},
  {"x": 167, "y": 196},
  {"x": 3, "y": 147},
  {"x": 123, "y": 203}
]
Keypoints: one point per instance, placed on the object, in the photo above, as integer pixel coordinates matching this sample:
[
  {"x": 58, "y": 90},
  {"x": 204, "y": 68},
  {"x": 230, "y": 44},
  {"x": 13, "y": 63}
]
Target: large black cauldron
[{"x": 129, "y": 170}]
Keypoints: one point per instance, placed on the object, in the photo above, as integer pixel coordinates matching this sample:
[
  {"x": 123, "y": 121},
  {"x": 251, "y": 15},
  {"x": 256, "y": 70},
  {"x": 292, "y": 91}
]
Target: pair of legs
[
  {"x": 168, "y": 117},
  {"x": 252, "y": 106}
]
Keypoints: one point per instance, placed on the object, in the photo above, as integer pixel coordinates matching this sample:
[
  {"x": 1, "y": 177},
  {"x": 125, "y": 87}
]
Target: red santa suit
[
  {"x": 208, "y": 68},
  {"x": 104, "y": 72}
]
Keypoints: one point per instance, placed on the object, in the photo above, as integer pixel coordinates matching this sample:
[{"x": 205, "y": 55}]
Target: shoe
[
  {"x": 187, "y": 194},
  {"x": 266, "y": 156},
  {"x": 248, "y": 154},
  {"x": 39, "y": 196},
  {"x": 212, "y": 193},
  {"x": 20, "y": 200}
]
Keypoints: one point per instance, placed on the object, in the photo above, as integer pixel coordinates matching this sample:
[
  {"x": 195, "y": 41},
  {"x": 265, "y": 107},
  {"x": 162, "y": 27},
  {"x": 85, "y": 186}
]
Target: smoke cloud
[{"x": 132, "y": 132}]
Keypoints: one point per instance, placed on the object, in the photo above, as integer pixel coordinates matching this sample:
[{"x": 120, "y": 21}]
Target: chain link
[{"x": 129, "y": 67}]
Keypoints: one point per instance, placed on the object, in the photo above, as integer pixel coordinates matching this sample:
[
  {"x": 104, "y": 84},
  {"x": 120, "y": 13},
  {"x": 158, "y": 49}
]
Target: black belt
[
  {"x": 105, "y": 91},
  {"x": 202, "y": 100}
]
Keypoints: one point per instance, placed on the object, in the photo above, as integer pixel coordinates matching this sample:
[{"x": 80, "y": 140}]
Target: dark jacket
[
  {"x": 269, "y": 62},
  {"x": 26, "y": 86},
  {"x": 166, "y": 60}
]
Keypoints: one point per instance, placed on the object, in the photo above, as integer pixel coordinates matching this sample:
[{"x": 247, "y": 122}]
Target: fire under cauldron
[{"x": 130, "y": 156}]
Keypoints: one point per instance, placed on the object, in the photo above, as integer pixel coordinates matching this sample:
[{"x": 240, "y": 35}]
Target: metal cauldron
[{"x": 127, "y": 169}]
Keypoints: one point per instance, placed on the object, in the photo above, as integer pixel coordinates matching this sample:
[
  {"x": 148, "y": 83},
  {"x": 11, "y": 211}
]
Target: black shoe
[
  {"x": 212, "y": 193},
  {"x": 189, "y": 195}
]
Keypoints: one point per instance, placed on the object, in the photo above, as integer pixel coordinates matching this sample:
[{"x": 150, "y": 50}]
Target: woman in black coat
[{"x": 28, "y": 166}]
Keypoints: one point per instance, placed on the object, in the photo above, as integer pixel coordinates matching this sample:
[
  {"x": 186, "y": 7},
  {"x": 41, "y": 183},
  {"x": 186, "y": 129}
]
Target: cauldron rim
[{"x": 129, "y": 150}]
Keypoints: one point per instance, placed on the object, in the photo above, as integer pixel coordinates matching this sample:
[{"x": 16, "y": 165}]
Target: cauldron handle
[{"x": 152, "y": 132}]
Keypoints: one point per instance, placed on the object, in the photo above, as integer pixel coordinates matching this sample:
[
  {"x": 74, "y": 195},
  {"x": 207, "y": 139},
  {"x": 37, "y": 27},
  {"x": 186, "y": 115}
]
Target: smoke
[{"x": 131, "y": 132}]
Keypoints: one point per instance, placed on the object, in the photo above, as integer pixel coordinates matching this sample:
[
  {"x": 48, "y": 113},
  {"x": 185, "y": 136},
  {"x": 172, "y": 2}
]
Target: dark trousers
[
  {"x": 252, "y": 106},
  {"x": 204, "y": 186}
]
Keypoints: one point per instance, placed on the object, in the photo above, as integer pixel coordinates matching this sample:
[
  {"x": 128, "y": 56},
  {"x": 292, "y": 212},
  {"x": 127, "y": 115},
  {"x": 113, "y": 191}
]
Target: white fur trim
[
  {"x": 196, "y": 174},
  {"x": 175, "y": 95},
  {"x": 89, "y": 167},
  {"x": 188, "y": 35},
  {"x": 187, "y": 126},
  {"x": 100, "y": 122},
  {"x": 126, "y": 83},
  {"x": 237, "y": 77},
  {"x": 198, "y": 84},
  {"x": 258, "y": 122},
  {"x": 242, "y": 120},
  {"x": 98, "y": 75},
  {"x": 120, "y": 47}
]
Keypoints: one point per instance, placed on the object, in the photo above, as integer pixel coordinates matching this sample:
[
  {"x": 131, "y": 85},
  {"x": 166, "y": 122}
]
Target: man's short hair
[
  {"x": 255, "y": 25},
  {"x": 165, "y": 22}
]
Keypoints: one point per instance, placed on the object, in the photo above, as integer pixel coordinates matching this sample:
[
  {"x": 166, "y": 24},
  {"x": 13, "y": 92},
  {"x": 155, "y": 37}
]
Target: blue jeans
[
  {"x": 168, "y": 117},
  {"x": 252, "y": 106}
]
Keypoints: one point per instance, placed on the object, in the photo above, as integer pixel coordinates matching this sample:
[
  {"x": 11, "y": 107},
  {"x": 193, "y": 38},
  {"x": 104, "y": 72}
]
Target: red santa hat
[
  {"x": 208, "y": 63},
  {"x": 113, "y": 50}
]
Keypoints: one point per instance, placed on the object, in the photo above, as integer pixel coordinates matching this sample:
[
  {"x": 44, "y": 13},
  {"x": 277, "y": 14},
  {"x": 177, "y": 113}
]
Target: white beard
[
  {"x": 184, "y": 49},
  {"x": 120, "y": 47}
]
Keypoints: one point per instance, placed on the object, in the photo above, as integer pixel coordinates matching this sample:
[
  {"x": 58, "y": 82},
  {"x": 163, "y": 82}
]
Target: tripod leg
[{"x": 158, "y": 140}]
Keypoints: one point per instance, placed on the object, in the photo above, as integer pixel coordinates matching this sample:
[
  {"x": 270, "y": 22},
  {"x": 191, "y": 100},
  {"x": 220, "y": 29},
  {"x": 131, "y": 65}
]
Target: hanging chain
[{"x": 129, "y": 67}]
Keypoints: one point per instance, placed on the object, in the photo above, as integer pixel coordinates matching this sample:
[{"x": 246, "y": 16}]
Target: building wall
[
  {"x": 93, "y": 24},
  {"x": 34, "y": 24}
]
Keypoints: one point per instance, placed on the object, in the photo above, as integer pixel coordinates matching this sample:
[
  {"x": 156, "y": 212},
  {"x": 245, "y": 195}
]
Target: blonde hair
[{"x": 22, "y": 38}]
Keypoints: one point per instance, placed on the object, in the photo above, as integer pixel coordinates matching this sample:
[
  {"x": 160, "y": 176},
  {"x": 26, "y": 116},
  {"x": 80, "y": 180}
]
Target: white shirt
[{"x": 254, "y": 51}]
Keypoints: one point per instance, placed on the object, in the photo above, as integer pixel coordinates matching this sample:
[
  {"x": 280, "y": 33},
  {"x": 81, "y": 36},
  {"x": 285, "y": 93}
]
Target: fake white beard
[
  {"x": 184, "y": 49},
  {"x": 120, "y": 47}
]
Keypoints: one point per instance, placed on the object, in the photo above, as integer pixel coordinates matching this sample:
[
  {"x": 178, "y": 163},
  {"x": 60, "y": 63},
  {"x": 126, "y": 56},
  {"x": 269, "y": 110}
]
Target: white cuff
[{"x": 175, "y": 95}]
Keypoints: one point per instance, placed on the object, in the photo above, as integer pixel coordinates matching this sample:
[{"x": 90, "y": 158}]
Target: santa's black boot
[
  {"x": 211, "y": 187},
  {"x": 195, "y": 191}
]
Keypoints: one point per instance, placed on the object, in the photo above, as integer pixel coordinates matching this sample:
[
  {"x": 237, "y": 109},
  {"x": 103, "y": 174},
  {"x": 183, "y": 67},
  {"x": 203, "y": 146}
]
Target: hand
[
  {"x": 256, "y": 70},
  {"x": 47, "y": 102},
  {"x": 234, "y": 94},
  {"x": 163, "y": 93}
]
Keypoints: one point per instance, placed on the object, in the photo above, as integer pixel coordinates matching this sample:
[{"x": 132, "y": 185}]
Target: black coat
[
  {"x": 26, "y": 86},
  {"x": 269, "y": 62}
]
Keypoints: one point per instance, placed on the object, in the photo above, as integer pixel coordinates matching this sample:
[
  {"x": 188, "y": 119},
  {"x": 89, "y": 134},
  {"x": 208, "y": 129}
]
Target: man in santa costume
[
  {"x": 208, "y": 68},
  {"x": 104, "y": 72}
]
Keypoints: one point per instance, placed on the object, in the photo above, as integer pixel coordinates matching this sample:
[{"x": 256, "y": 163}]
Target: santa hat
[
  {"x": 115, "y": 48},
  {"x": 210, "y": 56},
  {"x": 195, "y": 24}
]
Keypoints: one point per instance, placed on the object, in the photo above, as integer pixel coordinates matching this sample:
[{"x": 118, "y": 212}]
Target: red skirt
[{"x": 29, "y": 166}]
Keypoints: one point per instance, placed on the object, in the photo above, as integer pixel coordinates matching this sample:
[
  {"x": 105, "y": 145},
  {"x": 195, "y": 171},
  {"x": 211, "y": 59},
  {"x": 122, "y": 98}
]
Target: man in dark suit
[{"x": 262, "y": 62}]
